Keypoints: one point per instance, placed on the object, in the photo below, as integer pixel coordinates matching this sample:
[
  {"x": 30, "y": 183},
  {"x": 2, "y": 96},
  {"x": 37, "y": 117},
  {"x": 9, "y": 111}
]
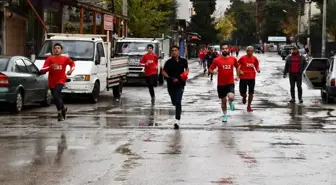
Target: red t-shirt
[
  {"x": 151, "y": 62},
  {"x": 56, "y": 74},
  {"x": 225, "y": 67},
  {"x": 295, "y": 67},
  {"x": 246, "y": 65}
]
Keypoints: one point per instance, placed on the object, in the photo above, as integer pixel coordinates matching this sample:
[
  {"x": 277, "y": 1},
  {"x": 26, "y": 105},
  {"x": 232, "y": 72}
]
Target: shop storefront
[{"x": 26, "y": 22}]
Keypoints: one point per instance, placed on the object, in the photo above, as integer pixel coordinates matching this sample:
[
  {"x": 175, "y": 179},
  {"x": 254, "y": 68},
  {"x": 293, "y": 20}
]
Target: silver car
[{"x": 320, "y": 74}]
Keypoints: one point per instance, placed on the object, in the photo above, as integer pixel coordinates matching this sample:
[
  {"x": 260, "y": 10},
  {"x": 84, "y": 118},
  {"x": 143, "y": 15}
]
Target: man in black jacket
[
  {"x": 172, "y": 71},
  {"x": 295, "y": 65}
]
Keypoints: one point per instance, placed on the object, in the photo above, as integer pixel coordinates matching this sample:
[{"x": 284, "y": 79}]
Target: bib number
[{"x": 226, "y": 67}]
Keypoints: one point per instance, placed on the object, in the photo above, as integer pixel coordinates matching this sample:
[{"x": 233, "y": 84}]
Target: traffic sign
[{"x": 108, "y": 22}]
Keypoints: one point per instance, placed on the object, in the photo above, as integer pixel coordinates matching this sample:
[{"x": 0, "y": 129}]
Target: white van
[{"x": 95, "y": 70}]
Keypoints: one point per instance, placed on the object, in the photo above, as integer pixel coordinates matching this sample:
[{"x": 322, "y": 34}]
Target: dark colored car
[
  {"x": 286, "y": 51},
  {"x": 21, "y": 83}
]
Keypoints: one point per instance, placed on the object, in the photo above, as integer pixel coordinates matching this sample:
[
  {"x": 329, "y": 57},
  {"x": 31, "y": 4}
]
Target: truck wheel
[
  {"x": 95, "y": 93},
  {"x": 117, "y": 90},
  {"x": 16, "y": 107},
  {"x": 47, "y": 98},
  {"x": 161, "y": 80}
]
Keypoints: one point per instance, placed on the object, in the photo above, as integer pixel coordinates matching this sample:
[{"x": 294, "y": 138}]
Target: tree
[
  {"x": 244, "y": 22},
  {"x": 150, "y": 18},
  {"x": 283, "y": 12},
  {"x": 203, "y": 22},
  {"x": 226, "y": 26}
]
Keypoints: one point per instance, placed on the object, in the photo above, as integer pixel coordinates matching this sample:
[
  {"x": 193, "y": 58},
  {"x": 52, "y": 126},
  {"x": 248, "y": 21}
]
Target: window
[
  {"x": 79, "y": 50},
  {"x": 100, "y": 49},
  {"x": 3, "y": 64},
  {"x": 318, "y": 65},
  {"x": 31, "y": 67},
  {"x": 20, "y": 67}
]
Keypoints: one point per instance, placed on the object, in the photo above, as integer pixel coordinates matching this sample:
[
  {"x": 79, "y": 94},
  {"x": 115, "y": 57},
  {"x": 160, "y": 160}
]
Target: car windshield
[
  {"x": 133, "y": 47},
  {"x": 79, "y": 50},
  {"x": 3, "y": 63}
]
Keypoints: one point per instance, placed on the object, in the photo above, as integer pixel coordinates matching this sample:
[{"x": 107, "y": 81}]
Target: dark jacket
[
  {"x": 289, "y": 64},
  {"x": 209, "y": 58}
]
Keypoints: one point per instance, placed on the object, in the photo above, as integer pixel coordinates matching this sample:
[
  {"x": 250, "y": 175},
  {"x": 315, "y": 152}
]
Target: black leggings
[{"x": 56, "y": 92}]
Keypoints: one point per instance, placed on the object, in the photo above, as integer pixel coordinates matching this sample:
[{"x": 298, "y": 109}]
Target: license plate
[{"x": 133, "y": 75}]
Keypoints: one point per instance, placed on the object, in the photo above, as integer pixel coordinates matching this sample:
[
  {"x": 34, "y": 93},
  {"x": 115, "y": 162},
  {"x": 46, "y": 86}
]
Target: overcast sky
[{"x": 222, "y": 5}]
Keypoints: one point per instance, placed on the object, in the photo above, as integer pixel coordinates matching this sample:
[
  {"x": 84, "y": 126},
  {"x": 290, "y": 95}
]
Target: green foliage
[
  {"x": 202, "y": 22},
  {"x": 150, "y": 18},
  {"x": 244, "y": 21}
]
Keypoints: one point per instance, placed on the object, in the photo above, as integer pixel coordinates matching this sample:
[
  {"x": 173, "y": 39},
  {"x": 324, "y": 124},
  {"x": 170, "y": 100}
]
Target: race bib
[
  {"x": 226, "y": 67},
  {"x": 58, "y": 67},
  {"x": 249, "y": 65}
]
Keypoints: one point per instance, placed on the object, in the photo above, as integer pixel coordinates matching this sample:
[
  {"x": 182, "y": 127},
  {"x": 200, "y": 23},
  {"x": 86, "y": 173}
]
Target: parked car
[
  {"x": 21, "y": 83},
  {"x": 320, "y": 74},
  {"x": 280, "y": 48},
  {"x": 286, "y": 51}
]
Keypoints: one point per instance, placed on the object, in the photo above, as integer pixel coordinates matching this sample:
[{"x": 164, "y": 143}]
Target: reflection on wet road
[{"x": 131, "y": 142}]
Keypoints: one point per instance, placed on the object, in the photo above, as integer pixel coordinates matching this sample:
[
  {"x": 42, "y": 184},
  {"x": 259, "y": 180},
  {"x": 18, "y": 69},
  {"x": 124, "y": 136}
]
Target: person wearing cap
[
  {"x": 295, "y": 64},
  {"x": 176, "y": 72}
]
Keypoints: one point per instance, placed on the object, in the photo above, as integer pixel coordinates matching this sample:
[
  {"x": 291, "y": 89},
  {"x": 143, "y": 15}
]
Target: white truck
[
  {"x": 95, "y": 70},
  {"x": 135, "y": 48}
]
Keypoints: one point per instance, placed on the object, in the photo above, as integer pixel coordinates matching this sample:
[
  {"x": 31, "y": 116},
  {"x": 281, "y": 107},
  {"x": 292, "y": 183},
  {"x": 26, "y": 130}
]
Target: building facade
[{"x": 25, "y": 22}]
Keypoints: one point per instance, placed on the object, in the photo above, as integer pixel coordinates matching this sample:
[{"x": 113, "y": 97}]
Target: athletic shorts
[
  {"x": 243, "y": 84},
  {"x": 223, "y": 90}
]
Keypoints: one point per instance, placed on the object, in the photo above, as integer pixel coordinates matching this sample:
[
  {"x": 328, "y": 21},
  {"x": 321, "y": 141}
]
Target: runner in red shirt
[
  {"x": 56, "y": 65},
  {"x": 151, "y": 61},
  {"x": 225, "y": 84},
  {"x": 248, "y": 65}
]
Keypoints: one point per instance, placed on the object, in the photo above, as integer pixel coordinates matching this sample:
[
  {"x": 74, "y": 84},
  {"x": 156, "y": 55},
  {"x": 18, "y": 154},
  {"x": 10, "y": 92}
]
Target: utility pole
[
  {"x": 113, "y": 8},
  {"x": 299, "y": 23},
  {"x": 309, "y": 20},
  {"x": 324, "y": 30}
]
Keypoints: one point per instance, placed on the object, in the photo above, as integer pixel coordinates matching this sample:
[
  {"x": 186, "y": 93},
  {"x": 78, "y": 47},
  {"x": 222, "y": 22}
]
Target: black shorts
[
  {"x": 152, "y": 80},
  {"x": 223, "y": 90},
  {"x": 243, "y": 84}
]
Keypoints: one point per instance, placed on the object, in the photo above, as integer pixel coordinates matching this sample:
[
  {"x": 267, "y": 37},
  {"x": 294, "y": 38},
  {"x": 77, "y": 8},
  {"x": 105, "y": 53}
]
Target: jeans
[
  {"x": 176, "y": 94},
  {"x": 295, "y": 78},
  {"x": 56, "y": 92},
  {"x": 151, "y": 83}
]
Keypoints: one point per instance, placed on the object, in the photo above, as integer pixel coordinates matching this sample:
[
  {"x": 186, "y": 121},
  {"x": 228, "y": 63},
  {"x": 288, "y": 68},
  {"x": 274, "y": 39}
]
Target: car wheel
[
  {"x": 47, "y": 99},
  {"x": 95, "y": 92},
  {"x": 18, "y": 104}
]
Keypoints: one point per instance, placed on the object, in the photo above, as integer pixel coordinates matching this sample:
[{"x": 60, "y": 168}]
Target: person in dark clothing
[
  {"x": 209, "y": 59},
  {"x": 175, "y": 70},
  {"x": 295, "y": 64}
]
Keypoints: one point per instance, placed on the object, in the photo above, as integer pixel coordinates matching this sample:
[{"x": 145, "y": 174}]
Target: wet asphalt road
[{"x": 130, "y": 142}]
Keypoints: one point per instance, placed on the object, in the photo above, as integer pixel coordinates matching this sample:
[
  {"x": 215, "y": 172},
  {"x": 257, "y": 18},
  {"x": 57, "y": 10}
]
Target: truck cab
[
  {"x": 135, "y": 48},
  {"x": 320, "y": 74},
  {"x": 95, "y": 71}
]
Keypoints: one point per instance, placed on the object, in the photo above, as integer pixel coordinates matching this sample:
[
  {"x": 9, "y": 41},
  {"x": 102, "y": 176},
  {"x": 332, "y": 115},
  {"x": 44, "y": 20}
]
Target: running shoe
[{"x": 224, "y": 118}]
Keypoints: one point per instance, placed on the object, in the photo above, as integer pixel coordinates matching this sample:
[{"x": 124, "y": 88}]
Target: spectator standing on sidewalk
[{"x": 295, "y": 64}]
